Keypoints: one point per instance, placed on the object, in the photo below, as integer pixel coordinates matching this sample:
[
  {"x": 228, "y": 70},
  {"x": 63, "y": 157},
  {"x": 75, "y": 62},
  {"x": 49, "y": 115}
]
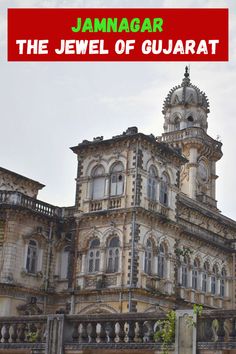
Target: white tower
[{"x": 185, "y": 111}]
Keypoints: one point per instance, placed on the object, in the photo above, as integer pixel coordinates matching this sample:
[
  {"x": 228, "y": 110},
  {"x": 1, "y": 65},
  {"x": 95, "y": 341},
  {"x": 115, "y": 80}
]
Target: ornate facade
[{"x": 145, "y": 233}]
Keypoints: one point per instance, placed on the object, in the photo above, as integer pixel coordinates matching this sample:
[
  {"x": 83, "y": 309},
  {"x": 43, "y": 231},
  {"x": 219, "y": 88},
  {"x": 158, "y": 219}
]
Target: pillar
[{"x": 192, "y": 172}]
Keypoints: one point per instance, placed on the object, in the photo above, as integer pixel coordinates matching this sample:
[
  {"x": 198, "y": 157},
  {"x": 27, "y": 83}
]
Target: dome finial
[
  {"x": 186, "y": 71},
  {"x": 186, "y": 79}
]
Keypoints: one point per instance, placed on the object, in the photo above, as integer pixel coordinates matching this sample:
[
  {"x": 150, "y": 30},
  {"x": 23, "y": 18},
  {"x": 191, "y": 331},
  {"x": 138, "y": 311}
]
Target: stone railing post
[
  {"x": 54, "y": 334},
  {"x": 185, "y": 332}
]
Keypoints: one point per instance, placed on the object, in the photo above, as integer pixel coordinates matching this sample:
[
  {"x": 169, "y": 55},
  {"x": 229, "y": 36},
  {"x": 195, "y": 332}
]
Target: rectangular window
[
  {"x": 204, "y": 282},
  {"x": 184, "y": 276},
  {"x": 194, "y": 279},
  {"x": 90, "y": 265},
  {"x": 161, "y": 266},
  {"x": 64, "y": 265},
  {"x": 116, "y": 264},
  {"x": 213, "y": 284},
  {"x": 97, "y": 264},
  {"x": 110, "y": 265},
  {"x": 120, "y": 187},
  {"x": 222, "y": 288},
  {"x": 98, "y": 188},
  {"x": 32, "y": 258}
]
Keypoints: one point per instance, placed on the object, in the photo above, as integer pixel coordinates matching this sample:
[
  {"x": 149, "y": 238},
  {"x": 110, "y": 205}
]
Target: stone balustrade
[
  {"x": 58, "y": 334},
  {"x": 114, "y": 203},
  {"x": 158, "y": 208},
  {"x": 121, "y": 330},
  {"x": 95, "y": 206},
  {"x": 109, "y": 203},
  {"x": 216, "y": 329},
  {"x": 55, "y": 334},
  {"x": 191, "y": 132},
  {"x": 21, "y": 200},
  {"x": 23, "y": 332}
]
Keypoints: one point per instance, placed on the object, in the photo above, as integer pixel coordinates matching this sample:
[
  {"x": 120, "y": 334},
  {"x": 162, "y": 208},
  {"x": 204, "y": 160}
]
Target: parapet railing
[
  {"x": 216, "y": 330},
  {"x": 112, "y": 331},
  {"x": 57, "y": 334},
  {"x": 190, "y": 132},
  {"x": 61, "y": 334},
  {"x": 23, "y": 332},
  {"x": 19, "y": 199}
]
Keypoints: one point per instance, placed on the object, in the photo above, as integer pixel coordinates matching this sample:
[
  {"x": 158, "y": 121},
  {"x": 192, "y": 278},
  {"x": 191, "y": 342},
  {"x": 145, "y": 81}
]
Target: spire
[
  {"x": 186, "y": 74},
  {"x": 186, "y": 79}
]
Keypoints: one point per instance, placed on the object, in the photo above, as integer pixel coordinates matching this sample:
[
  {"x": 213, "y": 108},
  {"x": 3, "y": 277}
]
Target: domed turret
[
  {"x": 185, "y": 111},
  {"x": 185, "y": 106}
]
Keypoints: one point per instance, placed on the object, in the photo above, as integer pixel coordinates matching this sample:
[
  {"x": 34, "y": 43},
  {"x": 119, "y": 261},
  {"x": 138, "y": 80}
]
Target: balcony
[
  {"x": 95, "y": 205},
  {"x": 104, "y": 204},
  {"x": 17, "y": 199},
  {"x": 191, "y": 132},
  {"x": 158, "y": 208},
  {"x": 207, "y": 200}
]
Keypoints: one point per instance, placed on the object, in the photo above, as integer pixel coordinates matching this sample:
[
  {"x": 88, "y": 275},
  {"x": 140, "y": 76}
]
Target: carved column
[
  {"x": 192, "y": 172},
  {"x": 107, "y": 186},
  {"x": 102, "y": 260},
  {"x": 54, "y": 334},
  {"x": 83, "y": 264}
]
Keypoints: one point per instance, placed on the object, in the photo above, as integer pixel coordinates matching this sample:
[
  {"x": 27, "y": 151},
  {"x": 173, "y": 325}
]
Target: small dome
[{"x": 186, "y": 94}]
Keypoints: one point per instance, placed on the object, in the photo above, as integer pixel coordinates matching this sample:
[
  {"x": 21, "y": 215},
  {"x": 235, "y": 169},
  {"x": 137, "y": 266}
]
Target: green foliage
[
  {"x": 166, "y": 332},
  {"x": 185, "y": 251},
  {"x": 197, "y": 309},
  {"x": 32, "y": 337},
  {"x": 166, "y": 328}
]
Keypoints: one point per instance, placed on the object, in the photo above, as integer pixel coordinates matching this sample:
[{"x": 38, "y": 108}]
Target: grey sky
[{"x": 48, "y": 107}]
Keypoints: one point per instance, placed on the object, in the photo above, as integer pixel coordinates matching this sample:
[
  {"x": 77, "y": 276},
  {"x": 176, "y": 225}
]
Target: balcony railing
[
  {"x": 159, "y": 208},
  {"x": 216, "y": 329},
  {"x": 105, "y": 204},
  {"x": 58, "y": 334},
  {"x": 95, "y": 206},
  {"x": 207, "y": 200},
  {"x": 115, "y": 203},
  {"x": 191, "y": 132},
  {"x": 18, "y": 199},
  {"x": 112, "y": 330},
  {"x": 24, "y": 331}
]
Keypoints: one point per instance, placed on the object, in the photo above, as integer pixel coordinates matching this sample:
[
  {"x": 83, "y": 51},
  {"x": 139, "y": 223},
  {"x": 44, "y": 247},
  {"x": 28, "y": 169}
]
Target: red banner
[{"x": 118, "y": 34}]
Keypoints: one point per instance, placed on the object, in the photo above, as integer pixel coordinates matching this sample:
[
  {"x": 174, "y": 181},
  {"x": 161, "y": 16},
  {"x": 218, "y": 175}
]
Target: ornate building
[{"x": 144, "y": 234}]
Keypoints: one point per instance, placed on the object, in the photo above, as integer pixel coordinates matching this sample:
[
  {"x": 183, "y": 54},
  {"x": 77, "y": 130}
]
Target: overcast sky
[{"x": 48, "y": 107}]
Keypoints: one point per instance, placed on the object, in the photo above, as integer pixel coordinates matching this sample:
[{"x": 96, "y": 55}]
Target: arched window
[
  {"x": 190, "y": 121},
  {"x": 117, "y": 180},
  {"x": 177, "y": 123},
  {"x": 184, "y": 281},
  {"x": 32, "y": 257},
  {"x": 222, "y": 282},
  {"x": 148, "y": 257},
  {"x": 205, "y": 276},
  {"x": 161, "y": 261},
  {"x": 213, "y": 280},
  {"x": 98, "y": 184},
  {"x": 195, "y": 275},
  {"x": 64, "y": 262},
  {"x": 164, "y": 190},
  {"x": 113, "y": 255},
  {"x": 94, "y": 256},
  {"x": 152, "y": 184}
]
